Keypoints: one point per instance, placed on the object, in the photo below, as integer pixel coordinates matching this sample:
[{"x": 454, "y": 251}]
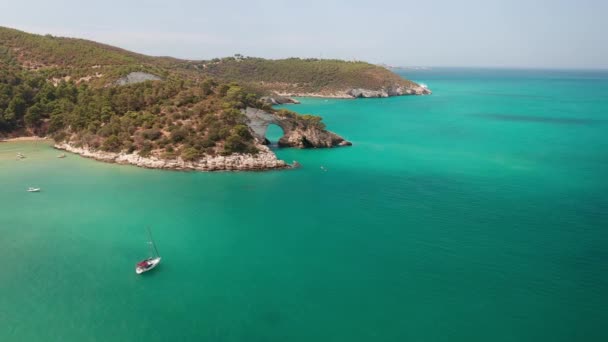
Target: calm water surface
[{"x": 476, "y": 214}]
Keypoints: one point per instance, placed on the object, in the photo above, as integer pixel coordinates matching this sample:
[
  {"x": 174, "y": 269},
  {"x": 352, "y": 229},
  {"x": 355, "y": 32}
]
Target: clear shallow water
[{"x": 478, "y": 213}]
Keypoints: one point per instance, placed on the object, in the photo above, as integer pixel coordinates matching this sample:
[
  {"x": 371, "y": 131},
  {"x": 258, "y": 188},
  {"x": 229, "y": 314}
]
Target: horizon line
[{"x": 35, "y": 31}]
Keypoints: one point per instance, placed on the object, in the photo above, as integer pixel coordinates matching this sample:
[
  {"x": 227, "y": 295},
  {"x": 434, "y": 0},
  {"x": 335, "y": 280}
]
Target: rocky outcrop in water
[
  {"x": 311, "y": 137},
  {"x": 298, "y": 131}
]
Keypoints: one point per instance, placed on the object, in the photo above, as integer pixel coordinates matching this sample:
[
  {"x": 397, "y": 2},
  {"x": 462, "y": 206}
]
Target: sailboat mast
[{"x": 152, "y": 241}]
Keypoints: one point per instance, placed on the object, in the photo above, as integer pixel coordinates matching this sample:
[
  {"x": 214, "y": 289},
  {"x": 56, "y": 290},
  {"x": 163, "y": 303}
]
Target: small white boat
[
  {"x": 146, "y": 265},
  {"x": 61, "y": 155},
  {"x": 151, "y": 262},
  {"x": 30, "y": 189},
  {"x": 20, "y": 156}
]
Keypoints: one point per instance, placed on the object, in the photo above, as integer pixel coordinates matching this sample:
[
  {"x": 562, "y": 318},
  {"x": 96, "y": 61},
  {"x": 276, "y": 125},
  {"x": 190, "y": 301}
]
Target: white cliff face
[
  {"x": 279, "y": 100},
  {"x": 296, "y": 134},
  {"x": 396, "y": 90},
  {"x": 389, "y": 91},
  {"x": 264, "y": 160},
  {"x": 258, "y": 121},
  {"x": 137, "y": 77}
]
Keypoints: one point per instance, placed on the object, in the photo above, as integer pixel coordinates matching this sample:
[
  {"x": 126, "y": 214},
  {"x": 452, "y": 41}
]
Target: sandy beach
[{"x": 23, "y": 139}]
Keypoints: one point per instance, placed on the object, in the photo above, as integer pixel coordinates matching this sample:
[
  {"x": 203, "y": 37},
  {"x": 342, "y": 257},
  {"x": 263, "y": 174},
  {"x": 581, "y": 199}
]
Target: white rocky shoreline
[
  {"x": 265, "y": 159},
  {"x": 287, "y": 97},
  {"x": 362, "y": 93}
]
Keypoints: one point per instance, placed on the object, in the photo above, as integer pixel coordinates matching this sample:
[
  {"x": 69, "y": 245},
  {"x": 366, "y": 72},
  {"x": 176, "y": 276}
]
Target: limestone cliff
[
  {"x": 300, "y": 131},
  {"x": 136, "y": 77},
  {"x": 279, "y": 100},
  {"x": 394, "y": 90}
]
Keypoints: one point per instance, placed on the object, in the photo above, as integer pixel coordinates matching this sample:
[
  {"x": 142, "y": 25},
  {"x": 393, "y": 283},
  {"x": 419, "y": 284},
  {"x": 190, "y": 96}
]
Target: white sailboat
[{"x": 151, "y": 262}]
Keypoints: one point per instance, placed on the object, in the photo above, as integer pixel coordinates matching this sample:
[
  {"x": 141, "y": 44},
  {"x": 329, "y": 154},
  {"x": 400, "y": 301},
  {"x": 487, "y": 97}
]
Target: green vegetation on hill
[
  {"x": 100, "y": 64},
  {"x": 67, "y": 88},
  {"x": 300, "y": 75},
  {"x": 64, "y": 52},
  {"x": 58, "y": 57},
  {"x": 170, "y": 117}
]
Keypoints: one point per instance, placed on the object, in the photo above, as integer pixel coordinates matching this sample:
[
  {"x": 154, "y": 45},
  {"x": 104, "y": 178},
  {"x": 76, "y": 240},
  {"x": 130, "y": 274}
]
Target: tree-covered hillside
[
  {"x": 78, "y": 60},
  {"x": 111, "y": 99},
  {"x": 172, "y": 116},
  {"x": 301, "y": 75},
  {"x": 99, "y": 64}
]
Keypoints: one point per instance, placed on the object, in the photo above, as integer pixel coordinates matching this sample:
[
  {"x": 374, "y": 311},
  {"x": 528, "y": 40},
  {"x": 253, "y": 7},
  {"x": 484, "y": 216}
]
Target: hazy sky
[{"x": 501, "y": 33}]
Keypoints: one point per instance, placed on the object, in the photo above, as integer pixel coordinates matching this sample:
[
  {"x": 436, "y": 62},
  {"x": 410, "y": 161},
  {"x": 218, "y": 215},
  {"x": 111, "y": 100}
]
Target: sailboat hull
[{"x": 152, "y": 263}]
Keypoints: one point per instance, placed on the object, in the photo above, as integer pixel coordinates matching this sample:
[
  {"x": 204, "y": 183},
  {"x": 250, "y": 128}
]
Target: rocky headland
[
  {"x": 263, "y": 160},
  {"x": 118, "y": 106},
  {"x": 298, "y": 133}
]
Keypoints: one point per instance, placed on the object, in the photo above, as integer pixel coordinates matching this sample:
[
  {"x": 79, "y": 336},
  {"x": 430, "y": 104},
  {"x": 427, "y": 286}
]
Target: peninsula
[{"x": 118, "y": 106}]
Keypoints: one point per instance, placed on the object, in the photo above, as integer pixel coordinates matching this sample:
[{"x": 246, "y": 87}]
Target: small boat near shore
[
  {"x": 30, "y": 189},
  {"x": 151, "y": 262},
  {"x": 61, "y": 156},
  {"x": 20, "y": 156}
]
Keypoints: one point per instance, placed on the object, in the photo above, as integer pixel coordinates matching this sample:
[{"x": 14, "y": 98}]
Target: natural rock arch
[
  {"x": 296, "y": 133},
  {"x": 259, "y": 121},
  {"x": 274, "y": 133}
]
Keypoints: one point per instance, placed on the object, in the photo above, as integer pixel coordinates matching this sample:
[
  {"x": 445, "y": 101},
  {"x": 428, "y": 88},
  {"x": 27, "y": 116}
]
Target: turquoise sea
[{"x": 479, "y": 213}]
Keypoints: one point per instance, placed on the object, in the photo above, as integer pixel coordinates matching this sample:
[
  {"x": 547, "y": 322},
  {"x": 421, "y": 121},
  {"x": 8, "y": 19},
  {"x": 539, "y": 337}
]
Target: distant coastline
[
  {"x": 361, "y": 93},
  {"x": 286, "y": 97}
]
